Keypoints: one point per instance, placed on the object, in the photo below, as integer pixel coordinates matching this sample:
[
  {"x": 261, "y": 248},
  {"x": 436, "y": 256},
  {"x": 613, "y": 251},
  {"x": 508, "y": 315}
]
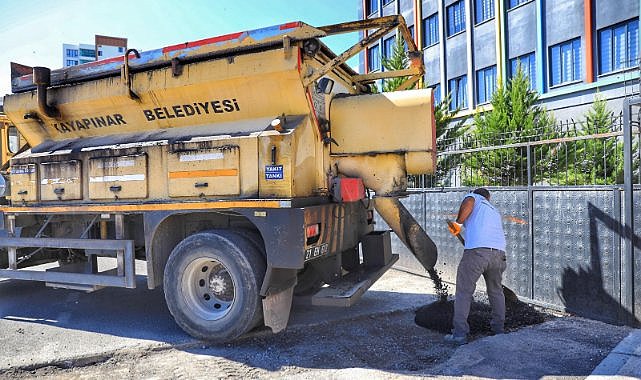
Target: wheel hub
[
  {"x": 221, "y": 285},
  {"x": 208, "y": 288}
]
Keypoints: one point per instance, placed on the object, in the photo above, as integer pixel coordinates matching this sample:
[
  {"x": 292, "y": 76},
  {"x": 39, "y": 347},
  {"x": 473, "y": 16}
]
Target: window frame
[
  {"x": 487, "y": 95},
  {"x": 425, "y": 30},
  {"x": 436, "y": 91},
  {"x": 370, "y": 53},
  {"x": 574, "y": 63},
  {"x": 369, "y": 9},
  {"x": 460, "y": 5},
  {"x": 520, "y": 2},
  {"x": 476, "y": 11},
  {"x": 454, "y": 104},
  {"x": 627, "y": 65},
  {"x": 384, "y": 53},
  {"x": 531, "y": 61}
]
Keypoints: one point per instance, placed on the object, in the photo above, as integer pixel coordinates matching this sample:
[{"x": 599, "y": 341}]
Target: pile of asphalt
[{"x": 438, "y": 315}]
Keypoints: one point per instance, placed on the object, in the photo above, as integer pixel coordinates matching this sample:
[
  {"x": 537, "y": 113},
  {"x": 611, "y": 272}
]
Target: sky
[{"x": 32, "y": 31}]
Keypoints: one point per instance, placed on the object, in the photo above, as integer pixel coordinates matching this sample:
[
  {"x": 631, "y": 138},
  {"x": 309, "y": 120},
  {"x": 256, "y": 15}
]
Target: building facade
[
  {"x": 104, "y": 47},
  {"x": 570, "y": 49}
]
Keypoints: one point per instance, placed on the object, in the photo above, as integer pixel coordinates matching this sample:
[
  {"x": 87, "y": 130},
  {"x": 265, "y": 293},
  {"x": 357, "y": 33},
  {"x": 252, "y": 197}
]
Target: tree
[
  {"x": 515, "y": 118},
  {"x": 448, "y": 135},
  {"x": 446, "y": 132},
  {"x": 596, "y": 160},
  {"x": 398, "y": 61}
]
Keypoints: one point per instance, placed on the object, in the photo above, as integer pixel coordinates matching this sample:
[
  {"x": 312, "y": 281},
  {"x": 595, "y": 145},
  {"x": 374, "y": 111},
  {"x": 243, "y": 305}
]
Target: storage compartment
[
  {"x": 24, "y": 182},
  {"x": 204, "y": 172},
  {"x": 120, "y": 177},
  {"x": 60, "y": 180}
]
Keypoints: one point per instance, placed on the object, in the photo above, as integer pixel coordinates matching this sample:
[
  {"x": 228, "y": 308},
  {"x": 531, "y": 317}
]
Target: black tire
[{"x": 212, "y": 283}]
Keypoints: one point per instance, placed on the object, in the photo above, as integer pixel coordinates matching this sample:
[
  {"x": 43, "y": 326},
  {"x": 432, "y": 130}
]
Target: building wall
[
  {"x": 534, "y": 26},
  {"x": 107, "y": 47}
]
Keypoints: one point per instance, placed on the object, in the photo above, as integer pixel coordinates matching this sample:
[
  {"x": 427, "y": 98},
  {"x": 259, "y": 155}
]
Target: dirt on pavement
[{"x": 380, "y": 346}]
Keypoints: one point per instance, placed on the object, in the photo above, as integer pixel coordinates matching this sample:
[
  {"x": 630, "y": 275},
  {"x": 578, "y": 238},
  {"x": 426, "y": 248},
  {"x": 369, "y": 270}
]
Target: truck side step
[
  {"x": 82, "y": 276},
  {"x": 348, "y": 290}
]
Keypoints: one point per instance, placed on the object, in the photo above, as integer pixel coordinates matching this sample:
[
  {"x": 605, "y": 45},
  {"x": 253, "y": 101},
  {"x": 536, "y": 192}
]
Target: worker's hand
[{"x": 455, "y": 228}]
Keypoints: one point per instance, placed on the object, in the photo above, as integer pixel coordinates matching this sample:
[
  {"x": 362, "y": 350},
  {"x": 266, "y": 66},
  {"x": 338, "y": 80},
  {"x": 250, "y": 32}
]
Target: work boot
[{"x": 458, "y": 340}]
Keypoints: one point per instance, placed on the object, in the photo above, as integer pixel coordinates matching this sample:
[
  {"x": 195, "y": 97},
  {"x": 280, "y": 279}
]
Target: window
[
  {"x": 388, "y": 48},
  {"x": 121, "y": 49},
  {"x": 484, "y": 10},
  {"x": 455, "y": 18},
  {"x": 458, "y": 89},
  {"x": 411, "y": 29},
  {"x": 372, "y": 6},
  {"x": 436, "y": 88},
  {"x": 72, "y": 53},
  {"x": 373, "y": 58},
  {"x": 485, "y": 84},
  {"x": 618, "y": 47},
  {"x": 516, "y": 3},
  {"x": 528, "y": 65},
  {"x": 99, "y": 53},
  {"x": 385, "y": 2},
  {"x": 565, "y": 62},
  {"x": 71, "y": 62},
  {"x": 430, "y": 30},
  {"x": 87, "y": 53}
]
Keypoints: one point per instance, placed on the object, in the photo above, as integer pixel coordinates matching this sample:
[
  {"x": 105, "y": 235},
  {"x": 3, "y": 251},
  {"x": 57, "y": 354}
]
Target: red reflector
[
  {"x": 352, "y": 189},
  {"x": 312, "y": 230}
]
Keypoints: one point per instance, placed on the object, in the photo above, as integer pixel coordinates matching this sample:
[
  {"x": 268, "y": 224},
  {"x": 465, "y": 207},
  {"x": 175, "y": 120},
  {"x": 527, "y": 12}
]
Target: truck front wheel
[{"x": 212, "y": 282}]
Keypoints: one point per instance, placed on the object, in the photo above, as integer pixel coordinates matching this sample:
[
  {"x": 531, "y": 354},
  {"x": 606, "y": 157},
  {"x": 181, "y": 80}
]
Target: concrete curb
[{"x": 624, "y": 360}]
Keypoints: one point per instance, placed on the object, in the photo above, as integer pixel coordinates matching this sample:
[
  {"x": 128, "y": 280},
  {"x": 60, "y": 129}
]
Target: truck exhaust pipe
[{"x": 42, "y": 80}]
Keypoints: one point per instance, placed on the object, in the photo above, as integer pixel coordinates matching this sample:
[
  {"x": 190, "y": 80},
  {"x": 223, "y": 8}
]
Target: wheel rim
[{"x": 208, "y": 288}]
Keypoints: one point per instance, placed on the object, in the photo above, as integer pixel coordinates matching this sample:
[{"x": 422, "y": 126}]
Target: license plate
[{"x": 316, "y": 251}]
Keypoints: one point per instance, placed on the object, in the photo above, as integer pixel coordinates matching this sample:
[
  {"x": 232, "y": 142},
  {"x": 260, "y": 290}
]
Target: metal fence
[
  {"x": 571, "y": 209},
  {"x": 569, "y": 154}
]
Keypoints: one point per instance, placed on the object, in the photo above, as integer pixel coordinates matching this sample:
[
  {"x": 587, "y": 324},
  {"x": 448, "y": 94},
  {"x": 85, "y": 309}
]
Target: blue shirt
[{"x": 483, "y": 227}]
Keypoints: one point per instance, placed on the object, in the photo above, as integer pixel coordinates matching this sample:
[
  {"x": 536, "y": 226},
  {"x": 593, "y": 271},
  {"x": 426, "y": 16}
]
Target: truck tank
[{"x": 262, "y": 140}]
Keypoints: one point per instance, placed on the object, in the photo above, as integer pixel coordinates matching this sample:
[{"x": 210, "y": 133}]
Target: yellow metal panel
[
  {"x": 249, "y": 86},
  {"x": 24, "y": 183},
  {"x": 400, "y": 121},
  {"x": 123, "y": 177},
  {"x": 275, "y": 176},
  {"x": 61, "y": 180},
  {"x": 204, "y": 172}
]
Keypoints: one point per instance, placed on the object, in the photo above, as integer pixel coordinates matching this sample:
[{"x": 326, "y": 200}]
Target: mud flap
[{"x": 276, "y": 309}]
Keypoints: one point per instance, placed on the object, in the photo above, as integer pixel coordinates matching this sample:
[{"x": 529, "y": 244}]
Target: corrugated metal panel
[
  {"x": 513, "y": 205},
  {"x": 574, "y": 262},
  {"x": 439, "y": 208},
  {"x": 576, "y": 248}
]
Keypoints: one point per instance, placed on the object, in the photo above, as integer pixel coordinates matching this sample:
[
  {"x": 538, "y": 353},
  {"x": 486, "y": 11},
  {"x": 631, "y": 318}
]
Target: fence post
[
  {"x": 530, "y": 213},
  {"x": 627, "y": 261}
]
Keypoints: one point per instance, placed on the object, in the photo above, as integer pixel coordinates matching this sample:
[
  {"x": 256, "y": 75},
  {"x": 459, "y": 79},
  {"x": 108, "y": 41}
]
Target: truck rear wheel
[{"x": 212, "y": 282}]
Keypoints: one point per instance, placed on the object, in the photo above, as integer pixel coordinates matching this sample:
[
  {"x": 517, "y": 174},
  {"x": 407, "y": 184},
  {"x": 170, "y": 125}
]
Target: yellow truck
[
  {"x": 241, "y": 169},
  {"x": 10, "y": 143}
]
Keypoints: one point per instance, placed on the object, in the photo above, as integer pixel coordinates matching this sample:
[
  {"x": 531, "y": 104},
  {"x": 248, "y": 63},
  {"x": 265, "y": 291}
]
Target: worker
[{"x": 484, "y": 254}]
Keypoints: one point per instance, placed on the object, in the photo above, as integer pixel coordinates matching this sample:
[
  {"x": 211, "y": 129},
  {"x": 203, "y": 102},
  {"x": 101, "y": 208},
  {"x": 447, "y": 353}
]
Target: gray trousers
[{"x": 475, "y": 262}]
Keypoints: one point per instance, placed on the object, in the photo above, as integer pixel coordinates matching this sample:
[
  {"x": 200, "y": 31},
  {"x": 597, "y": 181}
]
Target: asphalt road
[
  {"x": 127, "y": 333},
  {"x": 41, "y": 325}
]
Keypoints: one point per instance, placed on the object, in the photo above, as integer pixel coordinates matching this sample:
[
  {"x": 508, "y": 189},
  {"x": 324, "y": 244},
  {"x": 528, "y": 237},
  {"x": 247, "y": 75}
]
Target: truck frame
[{"x": 237, "y": 167}]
